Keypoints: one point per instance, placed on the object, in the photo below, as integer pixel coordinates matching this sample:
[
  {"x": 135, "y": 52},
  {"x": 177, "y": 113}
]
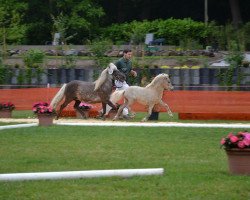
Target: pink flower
[
  {"x": 241, "y": 144},
  {"x": 240, "y": 133},
  {"x": 240, "y": 140},
  {"x": 246, "y": 142},
  {"x": 42, "y": 107},
  {"x": 230, "y": 135},
  {"x": 223, "y": 141},
  {"x": 233, "y": 138},
  {"x": 247, "y": 135}
]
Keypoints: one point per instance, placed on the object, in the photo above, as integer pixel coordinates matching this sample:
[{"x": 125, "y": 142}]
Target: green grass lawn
[
  {"x": 23, "y": 114},
  {"x": 195, "y": 166}
]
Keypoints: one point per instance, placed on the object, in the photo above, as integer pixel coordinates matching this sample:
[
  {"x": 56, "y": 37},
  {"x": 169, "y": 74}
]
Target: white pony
[{"x": 149, "y": 95}]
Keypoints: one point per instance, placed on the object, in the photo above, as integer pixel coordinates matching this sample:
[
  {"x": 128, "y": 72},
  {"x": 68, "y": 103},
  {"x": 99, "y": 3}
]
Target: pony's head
[
  {"x": 111, "y": 68},
  {"x": 111, "y": 72},
  {"x": 116, "y": 74},
  {"x": 162, "y": 80},
  {"x": 166, "y": 82}
]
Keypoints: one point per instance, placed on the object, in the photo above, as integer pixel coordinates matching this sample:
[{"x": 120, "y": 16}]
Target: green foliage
[
  {"x": 227, "y": 34},
  {"x": 118, "y": 32},
  {"x": 5, "y": 73},
  {"x": 34, "y": 58},
  {"x": 189, "y": 44},
  {"x": 81, "y": 17},
  {"x": 247, "y": 36},
  {"x": 173, "y": 30},
  {"x": 61, "y": 26},
  {"x": 21, "y": 77},
  {"x": 139, "y": 30},
  {"x": 70, "y": 61},
  {"x": 235, "y": 56},
  {"x": 235, "y": 59},
  {"x": 99, "y": 48},
  {"x": 12, "y": 28}
]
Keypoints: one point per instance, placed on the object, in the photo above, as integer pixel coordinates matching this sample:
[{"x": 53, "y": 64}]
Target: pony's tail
[
  {"x": 116, "y": 96},
  {"x": 59, "y": 96}
]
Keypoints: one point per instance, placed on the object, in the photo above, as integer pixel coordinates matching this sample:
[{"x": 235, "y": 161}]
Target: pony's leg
[
  {"x": 150, "y": 108},
  {"x": 76, "y": 106},
  {"x": 115, "y": 97},
  {"x": 132, "y": 113},
  {"x": 65, "y": 103},
  {"x": 102, "y": 114},
  {"x": 111, "y": 105},
  {"x": 167, "y": 108},
  {"x": 103, "y": 109},
  {"x": 108, "y": 106},
  {"x": 125, "y": 104}
]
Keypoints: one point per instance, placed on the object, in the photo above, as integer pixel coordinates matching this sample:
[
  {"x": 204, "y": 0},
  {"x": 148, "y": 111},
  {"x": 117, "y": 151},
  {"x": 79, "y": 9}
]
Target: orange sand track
[{"x": 184, "y": 102}]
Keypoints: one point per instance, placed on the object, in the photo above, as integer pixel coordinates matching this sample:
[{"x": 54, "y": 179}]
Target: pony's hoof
[
  {"x": 144, "y": 120},
  {"x": 127, "y": 117}
]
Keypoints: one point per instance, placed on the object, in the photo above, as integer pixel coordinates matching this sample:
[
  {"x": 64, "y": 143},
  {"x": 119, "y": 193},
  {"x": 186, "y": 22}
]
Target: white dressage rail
[
  {"x": 158, "y": 124},
  {"x": 17, "y": 126},
  {"x": 80, "y": 174}
]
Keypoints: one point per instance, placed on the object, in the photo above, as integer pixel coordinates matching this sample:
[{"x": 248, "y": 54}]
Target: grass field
[{"x": 195, "y": 166}]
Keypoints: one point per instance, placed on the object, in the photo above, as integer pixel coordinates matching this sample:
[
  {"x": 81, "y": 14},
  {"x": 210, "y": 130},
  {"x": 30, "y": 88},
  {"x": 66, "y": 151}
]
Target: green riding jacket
[{"x": 124, "y": 66}]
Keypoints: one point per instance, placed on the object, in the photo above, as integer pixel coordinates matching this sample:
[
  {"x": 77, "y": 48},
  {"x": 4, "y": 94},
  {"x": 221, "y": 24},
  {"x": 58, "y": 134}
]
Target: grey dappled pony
[
  {"x": 149, "y": 95},
  {"x": 89, "y": 92}
]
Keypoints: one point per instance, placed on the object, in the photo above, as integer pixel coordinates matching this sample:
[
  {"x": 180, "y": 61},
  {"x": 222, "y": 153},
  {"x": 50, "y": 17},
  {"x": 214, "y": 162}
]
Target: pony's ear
[{"x": 111, "y": 68}]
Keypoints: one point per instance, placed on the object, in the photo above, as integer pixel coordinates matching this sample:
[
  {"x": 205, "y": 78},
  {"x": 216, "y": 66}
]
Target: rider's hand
[{"x": 133, "y": 73}]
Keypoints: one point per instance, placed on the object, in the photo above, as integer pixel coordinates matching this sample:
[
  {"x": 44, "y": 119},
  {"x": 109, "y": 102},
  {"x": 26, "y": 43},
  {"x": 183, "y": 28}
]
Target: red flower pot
[
  {"x": 5, "y": 113},
  {"x": 45, "y": 119},
  {"x": 239, "y": 161}
]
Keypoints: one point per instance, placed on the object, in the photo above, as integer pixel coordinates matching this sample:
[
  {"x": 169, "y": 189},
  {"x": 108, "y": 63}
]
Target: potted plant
[
  {"x": 85, "y": 108},
  {"x": 45, "y": 113},
  {"x": 6, "y": 109},
  {"x": 237, "y": 147}
]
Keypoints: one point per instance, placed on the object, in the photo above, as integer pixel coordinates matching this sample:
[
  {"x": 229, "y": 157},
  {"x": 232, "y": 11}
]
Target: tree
[
  {"x": 236, "y": 14},
  {"x": 12, "y": 29},
  {"x": 81, "y": 17}
]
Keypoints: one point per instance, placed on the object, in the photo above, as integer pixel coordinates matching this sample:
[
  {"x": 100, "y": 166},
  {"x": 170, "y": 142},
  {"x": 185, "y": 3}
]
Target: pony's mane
[
  {"x": 101, "y": 79},
  {"x": 155, "y": 81}
]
